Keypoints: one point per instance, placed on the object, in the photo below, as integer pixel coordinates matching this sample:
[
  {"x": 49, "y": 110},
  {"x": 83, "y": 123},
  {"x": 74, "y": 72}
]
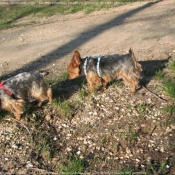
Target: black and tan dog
[
  {"x": 103, "y": 69},
  {"x": 27, "y": 86}
]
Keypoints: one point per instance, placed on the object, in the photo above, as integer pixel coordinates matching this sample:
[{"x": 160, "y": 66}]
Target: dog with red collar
[{"x": 26, "y": 86}]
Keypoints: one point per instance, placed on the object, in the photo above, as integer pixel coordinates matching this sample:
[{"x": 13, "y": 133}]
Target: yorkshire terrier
[
  {"x": 103, "y": 69},
  {"x": 27, "y": 86}
]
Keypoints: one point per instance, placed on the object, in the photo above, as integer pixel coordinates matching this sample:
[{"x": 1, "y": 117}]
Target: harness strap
[
  {"x": 97, "y": 67},
  {"x": 84, "y": 66},
  {"x": 6, "y": 90}
]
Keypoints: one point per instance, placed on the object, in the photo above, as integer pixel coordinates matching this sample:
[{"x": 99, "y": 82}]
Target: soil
[{"x": 98, "y": 127}]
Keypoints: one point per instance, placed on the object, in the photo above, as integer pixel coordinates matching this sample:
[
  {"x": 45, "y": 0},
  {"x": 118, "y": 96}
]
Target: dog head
[
  {"x": 137, "y": 65},
  {"x": 74, "y": 66}
]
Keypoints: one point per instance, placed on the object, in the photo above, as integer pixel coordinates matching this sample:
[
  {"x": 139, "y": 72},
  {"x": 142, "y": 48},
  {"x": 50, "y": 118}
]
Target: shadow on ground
[{"x": 81, "y": 39}]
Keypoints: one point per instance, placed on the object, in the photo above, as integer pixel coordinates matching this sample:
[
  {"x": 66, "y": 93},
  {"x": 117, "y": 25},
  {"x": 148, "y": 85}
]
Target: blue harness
[{"x": 97, "y": 66}]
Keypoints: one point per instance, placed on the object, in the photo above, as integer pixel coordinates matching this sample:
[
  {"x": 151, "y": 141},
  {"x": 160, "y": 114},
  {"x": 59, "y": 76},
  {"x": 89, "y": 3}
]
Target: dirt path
[{"x": 147, "y": 27}]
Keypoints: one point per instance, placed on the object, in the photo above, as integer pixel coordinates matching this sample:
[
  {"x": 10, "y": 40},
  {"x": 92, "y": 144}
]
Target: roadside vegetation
[{"x": 11, "y": 11}]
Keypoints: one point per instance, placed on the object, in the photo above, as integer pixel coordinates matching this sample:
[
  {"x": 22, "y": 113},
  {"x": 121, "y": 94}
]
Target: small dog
[
  {"x": 27, "y": 86},
  {"x": 106, "y": 68}
]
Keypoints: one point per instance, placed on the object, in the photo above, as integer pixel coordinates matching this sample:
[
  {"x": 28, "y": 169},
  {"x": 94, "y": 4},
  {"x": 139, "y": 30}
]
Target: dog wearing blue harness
[{"x": 103, "y": 69}]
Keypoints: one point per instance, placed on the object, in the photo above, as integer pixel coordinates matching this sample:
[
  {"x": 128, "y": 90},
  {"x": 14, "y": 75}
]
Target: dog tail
[
  {"x": 43, "y": 73},
  {"x": 137, "y": 65}
]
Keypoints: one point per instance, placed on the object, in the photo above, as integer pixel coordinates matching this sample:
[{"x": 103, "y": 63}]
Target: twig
[
  {"x": 152, "y": 130},
  {"x": 155, "y": 95}
]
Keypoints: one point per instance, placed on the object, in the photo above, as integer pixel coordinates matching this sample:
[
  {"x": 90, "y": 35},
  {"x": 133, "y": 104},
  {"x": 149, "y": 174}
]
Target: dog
[
  {"x": 103, "y": 69},
  {"x": 26, "y": 86}
]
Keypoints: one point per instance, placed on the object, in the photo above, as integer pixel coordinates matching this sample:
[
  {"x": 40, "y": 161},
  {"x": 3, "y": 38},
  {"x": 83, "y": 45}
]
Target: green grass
[
  {"x": 169, "y": 87},
  {"x": 171, "y": 65},
  {"x": 160, "y": 74},
  {"x": 73, "y": 166},
  {"x": 143, "y": 108},
  {"x": 170, "y": 109},
  {"x": 132, "y": 135},
  {"x": 157, "y": 169},
  {"x": 54, "y": 80},
  {"x": 82, "y": 93},
  {"x": 127, "y": 171},
  {"x": 10, "y": 13}
]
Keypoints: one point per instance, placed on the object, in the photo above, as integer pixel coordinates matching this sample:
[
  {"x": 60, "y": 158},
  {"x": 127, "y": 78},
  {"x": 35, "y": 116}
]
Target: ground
[{"x": 109, "y": 131}]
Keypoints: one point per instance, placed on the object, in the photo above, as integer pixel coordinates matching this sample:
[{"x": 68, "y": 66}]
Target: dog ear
[{"x": 76, "y": 58}]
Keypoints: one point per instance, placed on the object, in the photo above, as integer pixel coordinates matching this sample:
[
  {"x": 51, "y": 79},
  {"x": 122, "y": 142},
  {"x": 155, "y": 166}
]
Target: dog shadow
[
  {"x": 150, "y": 68},
  {"x": 65, "y": 89}
]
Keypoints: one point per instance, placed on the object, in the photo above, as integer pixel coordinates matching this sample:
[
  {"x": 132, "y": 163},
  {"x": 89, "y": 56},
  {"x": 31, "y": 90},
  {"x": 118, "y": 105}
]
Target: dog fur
[
  {"x": 111, "y": 67},
  {"x": 27, "y": 86}
]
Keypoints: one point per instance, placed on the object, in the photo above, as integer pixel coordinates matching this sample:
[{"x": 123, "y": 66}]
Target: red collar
[{"x": 3, "y": 87}]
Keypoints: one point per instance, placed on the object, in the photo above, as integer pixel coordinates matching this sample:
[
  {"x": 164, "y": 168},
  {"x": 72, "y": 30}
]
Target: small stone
[
  {"x": 167, "y": 166},
  {"x": 137, "y": 160},
  {"x": 69, "y": 149},
  {"x": 48, "y": 117},
  {"x": 29, "y": 164},
  {"x": 78, "y": 152},
  {"x": 128, "y": 151},
  {"x": 15, "y": 146},
  {"x": 55, "y": 138}
]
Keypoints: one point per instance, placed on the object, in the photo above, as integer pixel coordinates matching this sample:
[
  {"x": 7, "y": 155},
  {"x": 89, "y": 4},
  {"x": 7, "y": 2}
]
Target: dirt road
[{"x": 148, "y": 27}]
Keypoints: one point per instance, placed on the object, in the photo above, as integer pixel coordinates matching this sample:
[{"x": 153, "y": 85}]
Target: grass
[
  {"x": 159, "y": 74},
  {"x": 132, "y": 136},
  {"x": 169, "y": 87},
  {"x": 11, "y": 12},
  {"x": 159, "y": 169},
  {"x": 171, "y": 66},
  {"x": 55, "y": 80},
  {"x": 170, "y": 109},
  {"x": 127, "y": 171},
  {"x": 82, "y": 93},
  {"x": 143, "y": 108},
  {"x": 73, "y": 166},
  {"x": 66, "y": 108}
]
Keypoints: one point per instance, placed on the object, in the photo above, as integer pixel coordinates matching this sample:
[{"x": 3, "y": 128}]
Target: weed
[
  {"x": 127, "y": 171},
  {"x": 52, "y": 81},
  {"x": 159, "y": 74},
  {"x": 170, "y": 109},
  {"x": 66, "y": 108},
  {"x": 82, "y": 93},
  {"x": 169, "y": 87},
  {"x": 171, "y": 65},
  {"x": 132, "y": 135},
  {"x": 143, "y": 108},
  {"x": 157, "y": 169},
  {"x": 73, "y": 166}
]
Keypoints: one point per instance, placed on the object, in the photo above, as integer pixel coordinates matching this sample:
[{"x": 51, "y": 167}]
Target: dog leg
[
  {"x": 93, "y": 81},
  {"x": 13, "y": 106},
  {"x": 43, "y": 96},
  {"x": 130, "y": 81},
  {"x": 104, "y": 84},
  {"x": 49, "y": 95}
]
